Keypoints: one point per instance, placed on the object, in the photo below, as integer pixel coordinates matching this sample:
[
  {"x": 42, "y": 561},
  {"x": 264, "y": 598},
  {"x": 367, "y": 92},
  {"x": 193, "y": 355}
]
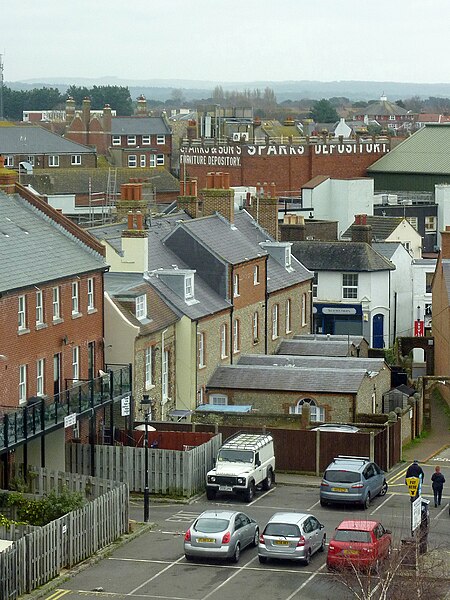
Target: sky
[{"x": 227, "y": 40}]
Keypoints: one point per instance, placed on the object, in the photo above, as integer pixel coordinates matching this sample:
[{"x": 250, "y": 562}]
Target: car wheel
[
  {"x": 210, "y": 493},
  {"x": 188, "y": 557},
  {"x": 237, "y": 553},
  {"x": 262, "y": 559},
  {"x": 307, "y": 557},
  {"x": 384, "y": 488},
  {"x": 255, "y": 540},
  {"x": 323, "y": 502},
  {"x": 322, "y": 545},
  {"x": 250, "y": 492},
  {"x": 267, "y": 483},
  {"x": 367, "y": 501}
]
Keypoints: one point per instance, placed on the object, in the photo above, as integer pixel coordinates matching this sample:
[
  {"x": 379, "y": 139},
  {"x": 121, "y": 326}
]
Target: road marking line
[
  {"x": 440, "y": 512},
  {"x": 238, "y": 570},
  {"x": 155, "y": 576},
  {"x": 305, "y": 583},
  {"x": 382, "y": 504},
  {"x": 314, "y": 505},
  {"x": 396, "y": 477},
  {"x": 58, "y": 594},
  {"x": 261, "y": 497}
]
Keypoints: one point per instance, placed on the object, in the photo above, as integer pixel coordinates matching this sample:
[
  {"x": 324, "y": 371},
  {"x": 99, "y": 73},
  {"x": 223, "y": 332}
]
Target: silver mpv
[{"x": 291, "y": 536}]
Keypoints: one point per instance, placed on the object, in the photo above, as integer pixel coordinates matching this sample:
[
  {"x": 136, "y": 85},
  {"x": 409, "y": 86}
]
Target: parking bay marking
[
  {"x": 305, "y": 583},
  {"x": 183, "y": 517},
  {"x": 440, "y": 512},
  {"x": 238, "y": 570},
  {"x": 139, "y": 587},
  {"x": 382, "y": 504}
]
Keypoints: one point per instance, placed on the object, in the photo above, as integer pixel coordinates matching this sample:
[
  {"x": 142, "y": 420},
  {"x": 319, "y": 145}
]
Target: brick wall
[
  {"x": 297, "y": 295},
  {"x": 42, "y": 342}
]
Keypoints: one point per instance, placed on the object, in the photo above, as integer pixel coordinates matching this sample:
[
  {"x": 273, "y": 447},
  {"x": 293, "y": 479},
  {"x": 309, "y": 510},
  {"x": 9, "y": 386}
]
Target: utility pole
[{"x": 1, "y": 87}]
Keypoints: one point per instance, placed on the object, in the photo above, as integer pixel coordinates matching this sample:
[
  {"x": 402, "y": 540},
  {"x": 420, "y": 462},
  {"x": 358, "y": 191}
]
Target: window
[
  {"x": 22, "y": 384},
  {"x": 141, "y": 307},
  {"x": 317, "y": 414},
  {"x": 428, "y": 282},
  {"x": 188, "y": 287},
  {"x": 9, "y": 161},
  {"x": 39, "y": 308},
  {"x": 304, "y": 302},
  {"x": 223, "y": 341},
  {"x": 160, "y": 160},
  {"x": 407, "y": 245},
  {"x": 53, "y": 160},
  {"x": 145, "y": 140},
  {"x": 287, "y": 257},
  {"x": 201, "y": 350},
  {"x": 76, "y": 159},
  {"x": 22, "y": 313},
  {"x": 165, "y": 375},
  {"x": 218, "y": 399},
  {"x": 116, "y": 140},
  {"x": 160, "y": 139},
  {"x": 132, "y": 161},
  {"x": 90, "y": 294},
  {"x": 349, "y": 285},
  {"x": 31, "y": 160},
  {"x": 56, "y": 305},
  {"x": 152, "y": 160},
  {"x": 40, "y": 377},
  {"x": 255, "y": 327},
  {"x": 430, "y": 223},
  {"x": 288, "y": 316},
  {"x": 315, "y": 284},
  {"x": 413, "y": 221},
  {"x": 75, "y": 363},
  {"x": 256, "y": 275},
  {"x": 236, "y": 340},
  {"x": 148, "y": 359},
  {"x": 142, "y": 161},
  {"x": 75, "y": 298},
  {"x": 236, "y": 285},
  {"x": 275, "y": 321},
  {"x": 131, "y": 140}
]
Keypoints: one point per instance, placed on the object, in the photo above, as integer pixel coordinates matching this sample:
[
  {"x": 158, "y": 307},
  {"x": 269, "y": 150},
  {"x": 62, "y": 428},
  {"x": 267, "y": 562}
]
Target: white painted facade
[
  {"x": 409, "y": 237},
  {"x": 340, "y": 200},
  {"x": 442, "y": 199},
  {"x": 422, "y": 270}
]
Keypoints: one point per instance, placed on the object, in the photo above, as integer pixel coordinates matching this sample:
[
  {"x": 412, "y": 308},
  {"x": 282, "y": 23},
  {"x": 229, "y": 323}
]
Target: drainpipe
[
  {"x": 266, "y": 314},
  {"x": 163, "y": 400}
]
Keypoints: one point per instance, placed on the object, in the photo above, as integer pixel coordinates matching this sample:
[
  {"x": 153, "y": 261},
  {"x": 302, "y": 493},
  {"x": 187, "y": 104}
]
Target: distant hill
[{"x": 161, "y": 89}]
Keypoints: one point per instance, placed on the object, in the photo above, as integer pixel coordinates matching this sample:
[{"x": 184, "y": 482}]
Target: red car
[{"x": 363, "y": 544}]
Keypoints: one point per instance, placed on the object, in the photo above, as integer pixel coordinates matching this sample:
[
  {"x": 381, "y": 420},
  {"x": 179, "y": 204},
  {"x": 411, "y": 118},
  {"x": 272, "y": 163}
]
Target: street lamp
[{"x": 146, "y": 401}]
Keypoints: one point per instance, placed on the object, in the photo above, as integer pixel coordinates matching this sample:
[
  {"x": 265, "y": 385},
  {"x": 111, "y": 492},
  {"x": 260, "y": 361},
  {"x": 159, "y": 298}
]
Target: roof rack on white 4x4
[{"x": 353, "y": 458}]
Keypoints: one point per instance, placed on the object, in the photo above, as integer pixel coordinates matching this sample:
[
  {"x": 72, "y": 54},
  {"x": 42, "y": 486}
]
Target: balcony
[{"x": 46, "y": 414}]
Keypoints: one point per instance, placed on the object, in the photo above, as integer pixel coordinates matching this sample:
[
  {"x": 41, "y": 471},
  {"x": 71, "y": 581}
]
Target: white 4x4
[{"x": 244, "y": 461}]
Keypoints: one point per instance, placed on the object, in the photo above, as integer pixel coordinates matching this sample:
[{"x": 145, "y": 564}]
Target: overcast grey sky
[{"x": 228, "y": 40}]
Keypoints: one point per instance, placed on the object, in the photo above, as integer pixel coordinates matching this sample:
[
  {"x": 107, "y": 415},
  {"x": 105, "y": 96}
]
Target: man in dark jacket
[
  {"x": 438, "y": 481},
  {"x": 415, "y": 470}
]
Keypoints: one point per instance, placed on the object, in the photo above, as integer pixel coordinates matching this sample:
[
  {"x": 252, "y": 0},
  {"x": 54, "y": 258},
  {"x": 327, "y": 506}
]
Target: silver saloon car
[
  {"x": 291, "y": 536},
  {"x": 220, "y": 534}
]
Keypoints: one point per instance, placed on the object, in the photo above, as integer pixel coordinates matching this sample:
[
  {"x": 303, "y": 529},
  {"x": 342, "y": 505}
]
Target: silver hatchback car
[
  {"x": 220, "y": 534},
  {"x": 291, "y": 536}
]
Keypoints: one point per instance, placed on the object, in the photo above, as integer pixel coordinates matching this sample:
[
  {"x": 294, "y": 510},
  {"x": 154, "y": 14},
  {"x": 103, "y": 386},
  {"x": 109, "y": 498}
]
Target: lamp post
[{"x": 146, "y": 400}]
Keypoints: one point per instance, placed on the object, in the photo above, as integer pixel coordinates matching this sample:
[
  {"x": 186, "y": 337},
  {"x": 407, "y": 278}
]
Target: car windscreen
[
  {"x": 208, "y": 525},
  {"x": 282, "y": 529},
  {"x": 342, "y": 476},
  {"x": 245, "y": 456},
  {"x": 350, "y": 535}
]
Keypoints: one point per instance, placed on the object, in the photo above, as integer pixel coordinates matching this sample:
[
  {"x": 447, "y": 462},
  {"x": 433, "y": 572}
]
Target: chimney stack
[
  {"x": 217, "y": 196},
  {"x": 86, "y": 112},
  {"x": 361, "y": 231},
  {"x": 141, "y": 107},
  {"x": 445, "y": 242},
  {"x": 70, "y": 110},
  {"x": 293, "y": 228}
]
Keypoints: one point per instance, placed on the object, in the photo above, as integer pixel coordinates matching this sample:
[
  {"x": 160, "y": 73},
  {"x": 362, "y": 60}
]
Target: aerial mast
[{"x": 1, "y": 87}]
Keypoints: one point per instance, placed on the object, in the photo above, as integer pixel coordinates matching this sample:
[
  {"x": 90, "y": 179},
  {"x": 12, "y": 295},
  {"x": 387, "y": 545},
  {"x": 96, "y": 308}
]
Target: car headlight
[
  {"x": 241, "y": 480},
  {"x": 211, "y": 478}
]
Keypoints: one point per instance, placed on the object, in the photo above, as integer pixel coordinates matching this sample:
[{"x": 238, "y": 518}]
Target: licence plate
[
  {"x": 351, "y": 552},
  {"x": 339, "y": 489},
  {"x": 225, "y": 488},
  {"x": 281, "y": 543},
  {"x": 206, "y": 540}
]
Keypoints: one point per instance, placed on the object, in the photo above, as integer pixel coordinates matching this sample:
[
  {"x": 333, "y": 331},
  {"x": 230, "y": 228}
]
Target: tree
[
  {"x": 177, "y": 97},
  {"x": 323, "y": 112},
  {"x": 118, "y": 97}
]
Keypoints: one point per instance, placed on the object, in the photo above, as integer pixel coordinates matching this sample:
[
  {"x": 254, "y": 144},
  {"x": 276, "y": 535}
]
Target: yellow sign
[{"x": 413, "y": 485}]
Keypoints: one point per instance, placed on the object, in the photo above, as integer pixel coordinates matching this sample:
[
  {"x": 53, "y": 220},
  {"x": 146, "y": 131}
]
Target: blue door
[{"x": 377, "y": 331}]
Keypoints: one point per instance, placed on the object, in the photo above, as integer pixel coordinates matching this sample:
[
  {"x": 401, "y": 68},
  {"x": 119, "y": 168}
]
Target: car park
[
  {"x": 361, "y": 544},
  {"x": 352, "y": 479},
  {"x": 220, "y": 534},
  {"x": 291, "y": 536}
]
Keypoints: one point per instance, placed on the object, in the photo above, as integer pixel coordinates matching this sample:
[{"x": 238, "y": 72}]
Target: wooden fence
[
  {"x": 38, "y": 554},
  {"x": 174, "y": 472}
]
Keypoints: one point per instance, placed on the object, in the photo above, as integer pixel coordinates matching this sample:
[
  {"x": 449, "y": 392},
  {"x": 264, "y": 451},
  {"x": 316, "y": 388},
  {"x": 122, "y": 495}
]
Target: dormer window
[
  {"x": 236, "y": 285},
  {"x": 188, "y": 287},
  {"x": 287, "y": 257},
  {"x": 141, "y": 307}
]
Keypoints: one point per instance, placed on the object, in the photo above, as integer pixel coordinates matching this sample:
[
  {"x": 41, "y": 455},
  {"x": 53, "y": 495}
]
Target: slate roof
[
  {"x": 139, "y": 126},
  {"x": 340, "y": 256},
  {"x": 278, "y": 277},
  {"x": 289, "y": 379},
  {"x": 356, "y": 340},
  {"x": 382, "y": 227},
  {"x": 314, "y": 362},
  {"x": 34, "y": 249},
  {"x": 32, "y": 139},
  {"x": 76, "y": 180},
  {"x": 386, "y": 249},
  {"x": 426, "y": 151},
  {"x": 314, "y": 347},
  {"x": 382, "y": 108}
]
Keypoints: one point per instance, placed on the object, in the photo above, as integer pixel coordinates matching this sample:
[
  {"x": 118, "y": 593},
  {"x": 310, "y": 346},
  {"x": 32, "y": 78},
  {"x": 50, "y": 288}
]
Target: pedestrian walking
[
  {"x": 415, "y": 470},
  {"x": 437, "y": 484}
]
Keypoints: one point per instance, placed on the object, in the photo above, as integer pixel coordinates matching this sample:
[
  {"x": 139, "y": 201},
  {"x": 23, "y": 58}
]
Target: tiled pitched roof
[
  {"x": 382, "y": 227},
  {"x": 314, "y": 347},
  {"x": 340, "y": 256},
  {"x": 313, "y": 362},
  {"x": 32, "y": 139},
  {"x": 382, "y": 108},
  {"x": 34, "y": 249}
]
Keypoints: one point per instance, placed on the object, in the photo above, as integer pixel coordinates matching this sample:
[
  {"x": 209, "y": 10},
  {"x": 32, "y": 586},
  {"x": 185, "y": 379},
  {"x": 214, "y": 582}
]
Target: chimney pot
[{"x": 130, "y": 220}]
